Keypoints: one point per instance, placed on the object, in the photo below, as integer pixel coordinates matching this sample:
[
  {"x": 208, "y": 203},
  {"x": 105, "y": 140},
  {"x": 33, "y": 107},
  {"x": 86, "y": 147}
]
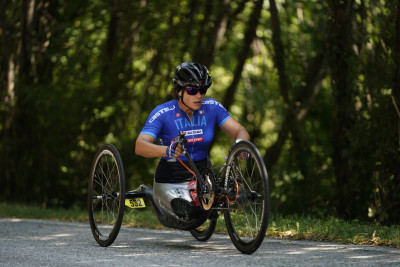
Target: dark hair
[{"x": 174, "y": 92}]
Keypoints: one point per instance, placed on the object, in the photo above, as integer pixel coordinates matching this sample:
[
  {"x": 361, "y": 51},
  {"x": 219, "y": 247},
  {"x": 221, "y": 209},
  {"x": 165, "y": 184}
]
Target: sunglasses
[{"x": 194, "y": 91}]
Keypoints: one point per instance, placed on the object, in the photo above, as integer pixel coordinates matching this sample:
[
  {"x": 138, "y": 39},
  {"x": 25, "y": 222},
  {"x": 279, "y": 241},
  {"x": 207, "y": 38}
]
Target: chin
[{"x": 196, "y": 107}]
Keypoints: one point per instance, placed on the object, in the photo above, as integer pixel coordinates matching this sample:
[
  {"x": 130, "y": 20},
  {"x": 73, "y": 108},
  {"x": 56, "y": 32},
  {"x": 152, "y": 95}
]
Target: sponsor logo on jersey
[
  {"x": 161, "y": 111},
  {"x": 201, "y": 112},
  {"x": 178, "y": 114},
  {"x": 213, "y": 102},
  {"x": 194, "y": 132},
  {"x": 195, "y": 140}
]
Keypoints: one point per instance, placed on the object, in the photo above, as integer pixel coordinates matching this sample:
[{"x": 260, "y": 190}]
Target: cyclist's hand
[
  {"x": 178, "y": 151},
  {"x": 243, "y": 155},
  {"x": 174, "y": 150}
]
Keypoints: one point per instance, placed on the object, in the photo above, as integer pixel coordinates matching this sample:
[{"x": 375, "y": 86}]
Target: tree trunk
[
  {"x": 190, "y": 25},
  {"x": 396, "y": 79},
  {"x": 391, "y": 200},
  {"x": 26, "y": 35},
  {"x": 199, "y": 46},
  {"x": 279, "y": 53},
  {"x": 217, "y": 33},
  {"x": 244, "y": 53},
  {"x": 342, "y": 66}
]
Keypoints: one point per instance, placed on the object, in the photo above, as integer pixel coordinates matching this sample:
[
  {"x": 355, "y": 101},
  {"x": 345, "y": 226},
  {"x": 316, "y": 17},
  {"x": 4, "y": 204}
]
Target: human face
[{"x": 193, "y": 101}]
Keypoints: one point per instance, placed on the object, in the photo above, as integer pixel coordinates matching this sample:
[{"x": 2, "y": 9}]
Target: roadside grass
[
  {"x": 285, "y": 227},
  {"x": 36, "y": 212}
]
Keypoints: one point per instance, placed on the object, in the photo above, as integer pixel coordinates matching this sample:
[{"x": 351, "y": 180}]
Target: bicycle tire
[
  {"x": 247, "y": 218},
  {"x": 205, "y": 231},
  {"x": 106, "y": 195}
]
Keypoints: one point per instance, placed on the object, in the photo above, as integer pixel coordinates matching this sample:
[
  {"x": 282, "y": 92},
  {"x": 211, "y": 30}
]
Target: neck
[{"x": 185, "y": 109}]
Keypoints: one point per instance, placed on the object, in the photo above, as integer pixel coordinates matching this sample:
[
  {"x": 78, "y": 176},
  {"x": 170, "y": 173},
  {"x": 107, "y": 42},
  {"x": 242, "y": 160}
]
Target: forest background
[{"x": 315, "y": 82}]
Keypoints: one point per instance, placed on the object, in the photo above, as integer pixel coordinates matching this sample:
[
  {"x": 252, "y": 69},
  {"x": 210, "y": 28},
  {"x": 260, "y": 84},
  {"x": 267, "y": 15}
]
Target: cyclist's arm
[
  {"x": 146, "y": 147},
  {"x": 235, "y": 129}
]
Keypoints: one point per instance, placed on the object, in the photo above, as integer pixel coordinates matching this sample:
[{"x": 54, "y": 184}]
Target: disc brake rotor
[{"x": 206, "y": 192}]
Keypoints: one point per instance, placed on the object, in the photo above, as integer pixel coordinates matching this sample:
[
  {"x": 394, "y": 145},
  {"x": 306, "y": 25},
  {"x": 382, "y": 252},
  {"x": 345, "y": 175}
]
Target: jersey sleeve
[
  {"x": 221, "y": 113},
  {"x": 153, "y": 123}
]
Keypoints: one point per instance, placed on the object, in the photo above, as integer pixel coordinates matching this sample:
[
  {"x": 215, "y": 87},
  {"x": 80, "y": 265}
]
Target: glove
[
  {"x": 243, "y": 155},
  {"x": 237, "y": 141},
  {"x": 171, "y": 149}
]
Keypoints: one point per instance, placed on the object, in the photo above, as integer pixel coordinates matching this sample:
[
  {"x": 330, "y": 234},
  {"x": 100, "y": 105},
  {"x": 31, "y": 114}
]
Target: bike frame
[{"x": 181, "y": 139}]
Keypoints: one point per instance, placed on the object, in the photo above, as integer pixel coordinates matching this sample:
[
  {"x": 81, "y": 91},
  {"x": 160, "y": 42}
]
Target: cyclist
[{"x": 197, "y": 116}]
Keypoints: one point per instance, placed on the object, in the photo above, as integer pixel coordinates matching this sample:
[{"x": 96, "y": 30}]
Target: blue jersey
[{"x": 167, "y": 120}]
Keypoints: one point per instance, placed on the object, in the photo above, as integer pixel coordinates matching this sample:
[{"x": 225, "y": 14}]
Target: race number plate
[{"x": 136, "y": 203}]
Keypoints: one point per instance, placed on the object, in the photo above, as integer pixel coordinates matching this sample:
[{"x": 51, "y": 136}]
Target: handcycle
[{"x": 239, "y": 189}]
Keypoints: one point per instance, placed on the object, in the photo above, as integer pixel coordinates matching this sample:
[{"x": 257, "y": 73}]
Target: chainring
[{"x": 206, "y": 195}]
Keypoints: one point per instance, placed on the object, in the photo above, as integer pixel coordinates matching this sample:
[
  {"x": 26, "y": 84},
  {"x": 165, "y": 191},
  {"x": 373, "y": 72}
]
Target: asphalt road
[{"x": 51, "y": 243}]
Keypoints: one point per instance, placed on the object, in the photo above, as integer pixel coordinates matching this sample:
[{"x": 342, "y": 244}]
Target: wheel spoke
[
  {"x": 105, "y": 177},
  {"x": 249, "y": 224}
]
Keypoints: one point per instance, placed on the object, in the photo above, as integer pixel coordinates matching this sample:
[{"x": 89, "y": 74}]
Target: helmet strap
[{"x": 183, "y": 91}]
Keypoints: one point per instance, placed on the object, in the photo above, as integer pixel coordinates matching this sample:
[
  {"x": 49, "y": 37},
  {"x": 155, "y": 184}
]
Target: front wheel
[
  {"x": 106, "y": 195},
  {"x": 247, "y": 215},
  {"x": 206, "y": 230}
]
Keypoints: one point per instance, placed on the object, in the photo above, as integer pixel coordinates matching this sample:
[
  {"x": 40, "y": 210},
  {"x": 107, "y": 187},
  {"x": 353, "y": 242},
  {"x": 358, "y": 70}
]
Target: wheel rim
[
  {"x": 106, "y": 194},
  {"x": 247, "y": 213}
]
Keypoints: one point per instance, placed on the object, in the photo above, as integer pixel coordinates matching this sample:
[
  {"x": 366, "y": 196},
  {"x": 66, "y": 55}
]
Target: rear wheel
[
  {"x": 247, "y": 215},
  {"x": 106, "y": 195}
]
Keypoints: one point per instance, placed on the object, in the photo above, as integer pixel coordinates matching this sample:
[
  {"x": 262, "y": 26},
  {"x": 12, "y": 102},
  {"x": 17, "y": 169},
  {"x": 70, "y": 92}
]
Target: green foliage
[{"x": 75, "y": 75}]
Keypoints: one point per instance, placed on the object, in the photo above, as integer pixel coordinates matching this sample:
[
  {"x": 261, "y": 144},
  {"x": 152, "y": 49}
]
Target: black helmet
[{"x": 192, "y": 73}]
